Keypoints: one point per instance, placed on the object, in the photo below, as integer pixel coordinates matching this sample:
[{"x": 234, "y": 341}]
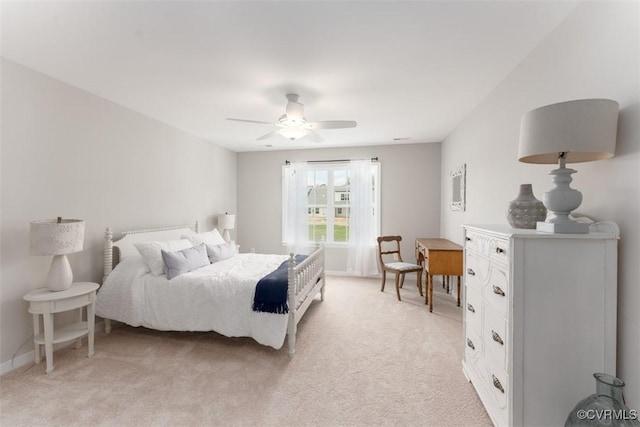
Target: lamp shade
[
  {"x": 50, "y": 237},
  {"x": 226, "y": 221},
  {"x": 584, "y": 129}
]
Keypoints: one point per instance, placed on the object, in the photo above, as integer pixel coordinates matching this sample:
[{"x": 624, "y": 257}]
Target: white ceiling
[{"x": 400, "y": 69}]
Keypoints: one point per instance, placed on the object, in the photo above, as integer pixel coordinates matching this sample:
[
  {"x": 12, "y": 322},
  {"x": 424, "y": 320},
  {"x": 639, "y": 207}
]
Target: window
[{"x": 328, "y": 201}]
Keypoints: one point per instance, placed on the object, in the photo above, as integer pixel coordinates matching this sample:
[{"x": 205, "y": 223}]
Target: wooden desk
[{"x": 439, "y": 257}]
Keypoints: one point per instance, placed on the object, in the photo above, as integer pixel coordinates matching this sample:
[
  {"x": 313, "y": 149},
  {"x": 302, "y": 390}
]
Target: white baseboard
[
  {"x": 411, "y": 277},
  {"x": 29, "y": 357},
  {"x": 17, "y": 362}
]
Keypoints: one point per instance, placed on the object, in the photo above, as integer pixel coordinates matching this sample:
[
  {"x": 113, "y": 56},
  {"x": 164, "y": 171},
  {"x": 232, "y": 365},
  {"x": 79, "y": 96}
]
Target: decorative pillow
[
  {"x": 221, "y": 252},
  {"x": 152, "y": 256},
  {"x": 184, "y": 261},
  {"x": 212, "y": 237}
]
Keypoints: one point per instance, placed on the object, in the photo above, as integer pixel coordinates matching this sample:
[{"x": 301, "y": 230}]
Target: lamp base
[
  {"x": 560, "y": 201},
  {"x": 60, "y": 275},
  {"x": 570, "y": 227}
]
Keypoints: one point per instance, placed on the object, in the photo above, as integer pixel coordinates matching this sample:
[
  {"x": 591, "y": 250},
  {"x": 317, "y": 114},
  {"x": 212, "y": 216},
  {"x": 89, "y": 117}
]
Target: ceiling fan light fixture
[
  {"x": 286, "y": 121},
  {"x": 293, "y": 132},
  {"x": 293, "y": 125}
]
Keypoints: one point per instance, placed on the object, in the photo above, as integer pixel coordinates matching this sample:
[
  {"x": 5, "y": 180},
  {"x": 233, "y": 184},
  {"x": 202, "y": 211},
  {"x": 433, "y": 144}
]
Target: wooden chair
[{"x": 396, "y": 266}]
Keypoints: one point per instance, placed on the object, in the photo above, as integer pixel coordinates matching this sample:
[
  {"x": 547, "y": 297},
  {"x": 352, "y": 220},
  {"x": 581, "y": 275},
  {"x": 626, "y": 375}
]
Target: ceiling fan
[{"x": 293, "y": 125}]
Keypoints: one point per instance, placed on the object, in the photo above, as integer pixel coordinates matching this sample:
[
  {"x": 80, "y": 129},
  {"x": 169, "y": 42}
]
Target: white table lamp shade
[
  {"x": 568, "y": 132},
  {"x": 50, "y": 237},
  {"x": 584, "y": 129},
  {"x": 226, "y": 222}
]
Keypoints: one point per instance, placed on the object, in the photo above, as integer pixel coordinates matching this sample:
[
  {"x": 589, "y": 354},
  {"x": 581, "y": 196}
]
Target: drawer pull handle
[
  {"x": 470, "y": 308},
  {"x": 470, "y": 344},
  {"x": 496, "y": 337},
  {"x": 499, "y": 250},
  {"x": 470, "y": 272},
  {"x": 468, "y": 239},
  {"x": 496, "y": 383},
  {"x": 498, "y": 290}
]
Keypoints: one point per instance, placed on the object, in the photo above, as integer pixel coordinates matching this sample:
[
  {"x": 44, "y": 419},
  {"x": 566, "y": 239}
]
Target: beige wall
[
  {"x": 68, "y": 153},
  {"x": 410, "y": 195},
  {"x": 593, "y": 54}
]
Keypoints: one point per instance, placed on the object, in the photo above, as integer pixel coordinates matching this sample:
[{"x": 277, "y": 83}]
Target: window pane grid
[{"x": 328, "y": 196}]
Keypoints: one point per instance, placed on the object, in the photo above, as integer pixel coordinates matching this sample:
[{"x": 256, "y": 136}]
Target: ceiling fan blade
[
  {"x": 312, "y": 136},
  {"x": 268, "y": 135},
  {"x": 331, "y": 124},
  {"x": 250, "y": 121}
]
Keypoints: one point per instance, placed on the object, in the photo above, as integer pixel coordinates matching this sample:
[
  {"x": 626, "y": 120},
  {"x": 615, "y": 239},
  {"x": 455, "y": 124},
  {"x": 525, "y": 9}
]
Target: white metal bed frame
[{"x": 305, "y": 279}]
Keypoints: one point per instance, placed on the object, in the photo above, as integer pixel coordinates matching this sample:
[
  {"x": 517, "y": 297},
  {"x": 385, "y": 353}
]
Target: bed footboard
[{"x": 305, "y": 281}]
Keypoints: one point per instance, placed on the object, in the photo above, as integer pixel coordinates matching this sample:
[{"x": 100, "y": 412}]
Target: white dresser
[{"x": 539, "y": 319}]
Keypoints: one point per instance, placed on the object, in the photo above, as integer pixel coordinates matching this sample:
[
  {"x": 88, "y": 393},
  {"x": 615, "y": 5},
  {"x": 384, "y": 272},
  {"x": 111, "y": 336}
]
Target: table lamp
[
  {"x": 57, "y": 237},
  {"x": 226, "y": 222},
  {"x": 568, "y": 132}
]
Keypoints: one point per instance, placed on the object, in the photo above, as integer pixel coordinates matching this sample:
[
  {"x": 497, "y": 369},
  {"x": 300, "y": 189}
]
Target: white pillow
[
  {"x": 212, "y": 237},
  {"x": 152, "y": 255}
]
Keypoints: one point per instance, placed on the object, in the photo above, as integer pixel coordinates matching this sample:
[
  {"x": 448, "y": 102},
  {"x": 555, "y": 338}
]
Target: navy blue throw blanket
[{"x": 271, "y": 290}]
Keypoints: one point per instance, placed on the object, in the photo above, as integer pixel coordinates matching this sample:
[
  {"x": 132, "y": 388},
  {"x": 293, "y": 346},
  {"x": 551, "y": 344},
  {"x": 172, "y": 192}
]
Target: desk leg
[
  {"x": 36, "y": 332},
  {"x": 48, "y": 340},
  {"x": 91, "y": 325},
  {"x": 430, "y": 293},
  {"x": 458, "y": 291},
  {"x": 426, "y": 287}
]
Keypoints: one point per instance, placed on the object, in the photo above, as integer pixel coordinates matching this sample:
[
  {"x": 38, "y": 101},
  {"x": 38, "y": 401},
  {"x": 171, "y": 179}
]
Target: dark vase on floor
[
  {"x": 604, "y": 408},
  {"x": 525, "y": 210}
]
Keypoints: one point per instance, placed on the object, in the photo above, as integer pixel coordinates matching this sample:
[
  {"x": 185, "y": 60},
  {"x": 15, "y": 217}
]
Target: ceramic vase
[
  {"x": 525, "y": 210},
  {"x": 605, "y": 407}
]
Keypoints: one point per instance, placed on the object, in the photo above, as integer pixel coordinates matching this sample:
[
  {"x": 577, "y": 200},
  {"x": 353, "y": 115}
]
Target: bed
[{"x": 219, "y": 296}]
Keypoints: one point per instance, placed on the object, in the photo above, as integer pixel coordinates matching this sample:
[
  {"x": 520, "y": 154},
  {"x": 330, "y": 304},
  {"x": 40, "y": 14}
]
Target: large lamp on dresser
[
  {"x": 568, "y": 132},
  {"x": 57, "y": 237}
]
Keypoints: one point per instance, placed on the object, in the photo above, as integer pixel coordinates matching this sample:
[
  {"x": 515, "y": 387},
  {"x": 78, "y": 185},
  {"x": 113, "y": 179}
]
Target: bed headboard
[{"x": 115, "y": 251}]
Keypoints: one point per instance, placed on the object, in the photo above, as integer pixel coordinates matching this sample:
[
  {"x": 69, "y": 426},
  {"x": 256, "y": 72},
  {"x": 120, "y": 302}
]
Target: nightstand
[{"x": 46, "y": 303}]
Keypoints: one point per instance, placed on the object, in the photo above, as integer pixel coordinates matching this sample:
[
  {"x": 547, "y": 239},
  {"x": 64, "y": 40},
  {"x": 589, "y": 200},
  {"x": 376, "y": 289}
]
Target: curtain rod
[{"x": 373, "y": 159}]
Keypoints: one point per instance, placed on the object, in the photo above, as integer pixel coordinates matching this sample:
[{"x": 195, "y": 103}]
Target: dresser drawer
[
  {"x": 473, "y": 349},
  {"x": 495, "y": 290},
  {"x": 476, "y": 271},
  {"x": 499, "y": 251},
  {"x": 472, "y": 241},
  {"x": 494, "y": 336},
  {"x": 495, "y": 248},
  {"x": 498, "y": 387},
  {"x": 473, "y": 310}
]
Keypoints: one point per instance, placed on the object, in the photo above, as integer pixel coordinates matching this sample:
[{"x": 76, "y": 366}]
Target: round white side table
[{"x": 46, "y": 303}]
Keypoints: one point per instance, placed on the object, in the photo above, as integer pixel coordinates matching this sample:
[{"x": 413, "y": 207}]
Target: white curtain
[
  {"x": 297, "y": 205},
  {"x": 362, "y": 239}
]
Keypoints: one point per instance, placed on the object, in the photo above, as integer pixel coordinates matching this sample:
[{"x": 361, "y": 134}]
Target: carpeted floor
[{"x": 363, "y": 358}]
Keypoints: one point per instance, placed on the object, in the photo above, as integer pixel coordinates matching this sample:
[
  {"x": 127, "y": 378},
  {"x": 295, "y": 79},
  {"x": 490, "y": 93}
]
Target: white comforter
[{"x": 216, "y": 298}]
